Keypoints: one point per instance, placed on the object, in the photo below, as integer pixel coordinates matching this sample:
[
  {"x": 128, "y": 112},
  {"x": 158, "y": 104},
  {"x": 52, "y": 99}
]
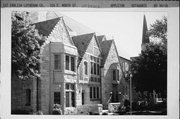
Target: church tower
[{"x": 145, "y": 38}]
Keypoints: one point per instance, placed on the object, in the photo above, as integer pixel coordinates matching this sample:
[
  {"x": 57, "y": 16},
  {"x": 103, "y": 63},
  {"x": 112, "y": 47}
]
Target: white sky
[{"x": 124, "y": 27}]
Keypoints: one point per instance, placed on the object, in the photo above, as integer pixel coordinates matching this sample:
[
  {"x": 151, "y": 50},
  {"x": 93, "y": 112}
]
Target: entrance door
[
  {"x": 115, "y": 93},
  {"x": 57, "y": 98},
  {"x": 83, "y": 97}
]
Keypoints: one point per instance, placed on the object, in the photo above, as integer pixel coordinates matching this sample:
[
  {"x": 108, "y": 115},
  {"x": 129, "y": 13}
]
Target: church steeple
[{"x": 145, "y": 38}]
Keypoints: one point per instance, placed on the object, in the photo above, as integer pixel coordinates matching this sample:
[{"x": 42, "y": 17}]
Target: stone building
[{"x": 76, "y": 70}]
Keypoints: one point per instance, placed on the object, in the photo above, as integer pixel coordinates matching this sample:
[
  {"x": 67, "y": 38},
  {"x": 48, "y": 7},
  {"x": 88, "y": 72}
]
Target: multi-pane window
[
  {"x": 95, "y": 66},
  {"x": 28, "y": 97},
  {"x": 94, "y": 79},
  {"x": 85, "y": 68},
  {"x": 70, "y": 63},
  {"x": 57, "y": 98},
  {"x": 70, "y": 95},
  {"x": 57, "y": 61},
  {"x": 94, "y": 92},
  {"x": 115, "y": 74}
]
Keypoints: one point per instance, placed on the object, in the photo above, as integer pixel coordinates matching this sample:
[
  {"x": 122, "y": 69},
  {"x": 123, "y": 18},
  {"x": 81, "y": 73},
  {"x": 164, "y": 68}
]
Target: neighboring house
[{"x": 75, "y": 70}]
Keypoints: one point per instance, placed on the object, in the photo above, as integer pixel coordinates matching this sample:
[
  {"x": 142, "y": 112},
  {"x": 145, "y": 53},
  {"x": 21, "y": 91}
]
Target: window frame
[
  {"x": 94, "y": 92},
  {"x": 86, "y": 67},
  {"x": 115, "y": 73},
  {"x": 58, "y": 65},
  {"x": 28, "y": 97},
  {"x": 95, "y": 65},
  {"x": 70, "y": 91},
  {"x": 69, "y": 62}
]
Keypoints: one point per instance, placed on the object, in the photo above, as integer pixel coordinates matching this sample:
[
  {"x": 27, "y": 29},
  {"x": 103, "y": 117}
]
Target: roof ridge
[
  {"x": 46, "y": 27},
  {"x": 48, "y": 20},
  {"x": 83, "y": 34}
]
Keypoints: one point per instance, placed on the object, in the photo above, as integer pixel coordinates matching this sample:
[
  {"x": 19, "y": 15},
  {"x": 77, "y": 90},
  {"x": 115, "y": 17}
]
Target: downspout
[
  {"x": 101, "y": 83},
  {"x": 50, "y": 77}
]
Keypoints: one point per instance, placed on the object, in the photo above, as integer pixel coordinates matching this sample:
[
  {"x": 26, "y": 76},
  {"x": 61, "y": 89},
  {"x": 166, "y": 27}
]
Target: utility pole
[{"x": 130, "y": 94}]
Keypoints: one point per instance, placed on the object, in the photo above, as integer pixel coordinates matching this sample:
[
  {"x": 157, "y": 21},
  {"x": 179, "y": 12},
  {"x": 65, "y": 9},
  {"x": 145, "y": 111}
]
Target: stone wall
[
  {"x": 89, "y": 109},
  {"x": 18, "y": 95},
  {"x": 45, "y": 76},
  {"x": 107, "y": 75}
]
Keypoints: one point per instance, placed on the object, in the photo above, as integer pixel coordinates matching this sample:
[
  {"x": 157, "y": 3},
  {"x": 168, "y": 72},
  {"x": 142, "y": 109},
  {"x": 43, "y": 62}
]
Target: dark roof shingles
[
  {"x": 105, "y": 46},
  {"x": 47, "y": 26},
  {"x": 100, "y": 38},
  {"x": 82, "y": 42}
]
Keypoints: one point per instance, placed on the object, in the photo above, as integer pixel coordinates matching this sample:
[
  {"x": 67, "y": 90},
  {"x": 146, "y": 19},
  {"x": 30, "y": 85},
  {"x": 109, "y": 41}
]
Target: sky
[{"x": 124, "y": 27}]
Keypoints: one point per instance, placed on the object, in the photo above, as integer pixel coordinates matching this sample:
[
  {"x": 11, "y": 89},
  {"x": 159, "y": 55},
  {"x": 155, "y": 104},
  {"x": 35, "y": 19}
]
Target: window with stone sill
[
  {"x": 57, "y": 61},
  {"x": 70, "y": 62},
  {"x": 95, "y": 65}
]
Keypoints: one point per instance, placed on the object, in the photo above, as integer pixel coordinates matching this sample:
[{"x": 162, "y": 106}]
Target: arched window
[{"x": 85, "y": 68}]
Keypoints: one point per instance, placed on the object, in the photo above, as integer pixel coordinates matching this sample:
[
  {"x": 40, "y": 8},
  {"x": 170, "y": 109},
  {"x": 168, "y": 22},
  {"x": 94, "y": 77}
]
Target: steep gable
[
  {"x": 82, "y": 42},
  {"x": 105, "y": 46},
  {"x": 109, "y": 51},
  {"x": 55, "y": 30},
  {"x": 60, "y": 34},
  {"x": 101, "y": 38},
  {"x": 46, "y": 27}
]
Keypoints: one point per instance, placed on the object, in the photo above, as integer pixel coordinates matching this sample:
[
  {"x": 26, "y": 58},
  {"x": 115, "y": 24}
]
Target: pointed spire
[{"x": 145, "y": 38}]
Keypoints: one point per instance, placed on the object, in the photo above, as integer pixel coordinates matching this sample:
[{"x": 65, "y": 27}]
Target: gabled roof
[
  {"x": 74, "y": 25},
  {"x": 125, "y": 59},
  {"x": 100, "y": 38},
  {"x": 105, "y": 46},
  {"x": 82, "y": 42},
  {"x": 45, "y": 27}
]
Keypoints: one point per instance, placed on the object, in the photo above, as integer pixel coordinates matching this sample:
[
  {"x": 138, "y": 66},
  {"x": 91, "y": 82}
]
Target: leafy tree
[
  {"x": 26, "y": 43},
  {"x": 158, "y": 30},
  {"x": 149, "y": 69}
]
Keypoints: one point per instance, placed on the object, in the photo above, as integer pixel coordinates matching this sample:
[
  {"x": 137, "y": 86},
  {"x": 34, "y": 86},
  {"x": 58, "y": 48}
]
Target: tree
[
  {"x": 26, "y": 43},
  {"x": 158, "y": 30},
  {"x": 149, "y": 69}
]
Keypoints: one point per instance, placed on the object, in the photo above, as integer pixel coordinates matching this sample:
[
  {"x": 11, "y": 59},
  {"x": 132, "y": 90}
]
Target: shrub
[{"x": 57, "y": 109}]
